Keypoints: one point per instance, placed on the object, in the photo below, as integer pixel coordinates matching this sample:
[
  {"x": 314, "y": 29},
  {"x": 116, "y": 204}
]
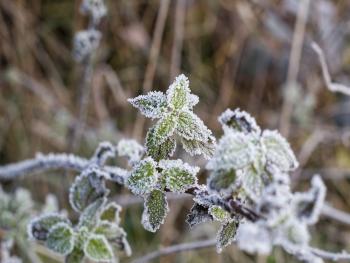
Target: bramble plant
[{"x": 248, "y": 190}]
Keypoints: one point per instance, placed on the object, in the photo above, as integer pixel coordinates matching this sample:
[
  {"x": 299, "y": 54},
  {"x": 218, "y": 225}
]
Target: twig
[
  {"x": 330, "y": 255},
  {"x": 180, "y": 14},
  {"x": 332, "y": 86},
  {"x": 175, "y": 249},
  {"x": 336, "y": 214},
  {"x": 153, "y": 59},
  {"x": 294, "y": 61}
]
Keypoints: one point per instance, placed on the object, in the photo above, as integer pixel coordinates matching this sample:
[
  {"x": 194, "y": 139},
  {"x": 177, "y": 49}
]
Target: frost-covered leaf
[
  {"x": 155, "y": 210},
  {"x": 159, "y": 151},
  {"x": 89, "y": 216},
  {"x": 278, "y": 151},
  {"x": 194, "y": 147},
  {"x": 153, "y": 105},
  {"x": 219, "y": 214},
  {"x": 226, "y": 235},
  {"x": 164, "y": 128},
  {"x": 192, "y": 101},
  {"x": 307, "y": 206},
  {"x": 240, "y": 121},
  {"x": 198, "y": 214},
  {"x": 111, "y": 212},
  {"x": 144, "y": 177},
  {"x": 60, "y": 239},
  {"x": 98, "y": 249},
  {"x": 178, "y": 93},
  {"x": 76, "y": 256},
  {"x": 234, "y": 151},
  {"x": 39, "y": 227},
  {"x": 87, "y": 188},
  {"x": 178, "y": 176},
  {"x": 110, "y": 230},
  {"x": 254, "y": 238},
  {"x": 191, "y": 127},
  {"x": 222, "y": 181},
  {"x": 252, "y": 182},
  {"x": 296, "y": 232},
  {"x": 130, "y": 149}
]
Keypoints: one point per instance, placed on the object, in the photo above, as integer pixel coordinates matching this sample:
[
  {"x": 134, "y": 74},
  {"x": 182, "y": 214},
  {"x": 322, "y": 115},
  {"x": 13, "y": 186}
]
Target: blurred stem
[{"x": 294, "y": 63}]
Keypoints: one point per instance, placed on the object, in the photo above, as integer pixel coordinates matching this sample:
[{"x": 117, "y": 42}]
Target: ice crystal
[
  {"x": 85, "y": 43},
  {"x": 153, "y": 105}
]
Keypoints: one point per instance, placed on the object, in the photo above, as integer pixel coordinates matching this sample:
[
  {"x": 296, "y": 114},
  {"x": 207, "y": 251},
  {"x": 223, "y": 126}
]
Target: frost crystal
[
  {"x": 226, "y": 235},
  {"x": 239, "y": 121},
  {"x": 159, "y": 151},
  {"x": 198, "y": 214},
  {"x": 219, "y": 214},
  {"x": 85, "y": 43},
  {"x": 130, "y": 149},
  {"x": 104, "y": 151},
  {"x": 153, "y": 105},
  {"x": 95, "y": 8},
  {"x": 178, "y": 94},
  {"x": 98, "y": 249},
  {"x": 61, "y": 238}
]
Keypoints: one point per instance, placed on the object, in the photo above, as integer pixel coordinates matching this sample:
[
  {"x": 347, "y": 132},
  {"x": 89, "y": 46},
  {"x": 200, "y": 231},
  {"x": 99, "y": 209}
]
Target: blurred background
[{"x": 251, "y": 54}]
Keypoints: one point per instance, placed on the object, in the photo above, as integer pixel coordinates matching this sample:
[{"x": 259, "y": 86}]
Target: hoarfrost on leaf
[
  {"x": 226, "y": 235},
  {"x": 130, "y": 149},
  {"x": 89, "y": 217},
  {"x": 143, "y": 177},
  {"x": 153, "y": 105},
  {"x": 222, "y": 181},
  {"x": 61, "y": 239},
  {"x": 98, "y": 249},
  {"x": 278, "y": 151},
  {"x": 178, "y": 94},
  {"x": 198, "y": 214},
  {"x": 155, "y": 210},
  {"x": 165, "y": 128},
  {"x": 194, "y": 147},
  {"x": 252, "y": 182},
  {"x": 159, "y": 151},
  {"x": 219, "y": 214},
  {"x": 110, "y": 213}
]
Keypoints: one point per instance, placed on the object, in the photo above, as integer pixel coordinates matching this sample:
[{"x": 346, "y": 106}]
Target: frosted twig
[
  {"x": 175, "y": 249},
  {"x": 330, "y": 255},
  {"x": 332, "y": 86},
  {"x": 51, "y": 161},
  {"x": 336, "y": 214}
]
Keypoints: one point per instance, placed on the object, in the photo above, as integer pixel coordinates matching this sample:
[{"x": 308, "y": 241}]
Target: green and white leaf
[
  {"x": 153, "y": 105},
  {"x": 226, "y": 235},
  {"x": 144, "y": 177},
  {"x": 98, "y": 249},
  {"x": 222, "y": 181},
  {"x": 90, "y": 216},
  {"x": 159, "y": 151},
  {"x": 61, "y": 239},
  {"x": 198, "y": 214},
  {"x": 219, "y": 214},
  {"x": 76, "y": 256},
  {"x": 39, "y": 227},
  {"x": 278, "y": 151},
  {"x": 111, "y": 231},
  {"x": 165, "y": 128},
  {"x": 235, "y": 151},
  {"x": 110, "y": 213},
  {"x": 178, "y": 93},
  {"x": 178, "y": 176},
  {"x": 87, "y": 188},
  {"x": 252, "y": 182},
  {"x": 155, "y": 210},
  {"x": 191, "y": 127},
  {"x": 194, "y": 147}
]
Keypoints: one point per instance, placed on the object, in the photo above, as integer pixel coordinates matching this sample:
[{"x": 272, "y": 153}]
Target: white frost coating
[
  {"x": 95, "y": 257},
  {"x": 95, "y": 8},
  {"x": 234, "y": 151},
  {"x": 130, "y": 149},
  {"x": 5, "y": 256},
  {"x": 53, "y": 246},
  {"x": 85, "y": 42},
  {"x": 153, "y": 105},
  {"x": 246, "y": 122},
  {"x": 315, "y": 196},
  {"x": 168, "y": 164},
  {"x": 253, "y": 238},
  {"x": 183, "y": 82},
  {"x": 104, "y": 151},
  {"x": 192, "y": 101},
  {"x": 278, "y": 151}
]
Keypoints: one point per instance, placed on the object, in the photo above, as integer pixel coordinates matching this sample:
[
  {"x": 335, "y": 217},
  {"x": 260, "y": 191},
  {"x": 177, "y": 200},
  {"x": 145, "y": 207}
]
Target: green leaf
[
  {"x": 155, "y": 211},
  {"x": 87, "y": 188},
  {"x": 278, "y": 151},
  {"x": 234, "y": 151},
  {"x": 111, "y": 212},
  {"x": 98, "y": 249},
  {"x": 194, "y": 147},
  {"x": 144, "y": 177},
  {"x": 89, "y": 216},
  {"x": 159, "y": 151},
  {"x": 178, "y": 176},
  {"x": 252, "y": 182},
  {"x": 61, "y": 239},
  {"x": 76, "y": 256},
  {"x": 152, "y": 105},
  {"x": 165, "y": 128},
  {"x": 219, "y": 214},
  {"x": 226, "y": 235},
  {"x": 191, "y": 127},
  {"x": 111, "y": 231},
  {"x": 178, "y": 93},
  {"x": 222, "y": 181},
  {"x": 39, "y": 227}
]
